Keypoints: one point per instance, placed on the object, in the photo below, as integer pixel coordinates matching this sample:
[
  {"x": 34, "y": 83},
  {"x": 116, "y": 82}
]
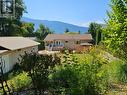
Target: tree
[
  {"x": 42, "y": 32},
  {"x": 79, "y": 32},
  {"x": 116, "y": 29},
  {"x": 27, "y": 29},
  {"x": 11, "y": 27},
  {"x": 95, "y": 30},
  {"x": 72, "y": 33},
  {"x": 66, "y": 31}
]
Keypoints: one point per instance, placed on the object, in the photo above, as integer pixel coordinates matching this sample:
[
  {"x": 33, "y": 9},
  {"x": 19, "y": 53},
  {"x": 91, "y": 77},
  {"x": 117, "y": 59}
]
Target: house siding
[
  {"x": 6, "y": 65},
  {"x": 11, "y": 57},
  {"x": 68, "y": 44}
]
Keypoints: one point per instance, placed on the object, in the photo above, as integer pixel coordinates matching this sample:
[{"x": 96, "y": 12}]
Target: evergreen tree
[
  {"x": 79, "y": 32},
  {"x": 42, "y": 32},
  {"x": 95, "y": 30},
  {"x": 66, "y": 31}
]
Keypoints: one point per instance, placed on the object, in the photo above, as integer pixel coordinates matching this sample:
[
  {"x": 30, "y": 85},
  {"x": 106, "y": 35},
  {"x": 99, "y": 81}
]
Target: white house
[{"x": 12, "y": 47}]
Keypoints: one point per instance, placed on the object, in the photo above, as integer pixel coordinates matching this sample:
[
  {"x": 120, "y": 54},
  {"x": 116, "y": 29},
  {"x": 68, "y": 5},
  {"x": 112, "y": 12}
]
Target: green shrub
[
  {"x": 20, "y": 82},
  {"x": 64, "y": 80},
  {"x": 38, "y": 68},
  {"x": 79, "y": 79},
  {"x": 76, "y": 78}
]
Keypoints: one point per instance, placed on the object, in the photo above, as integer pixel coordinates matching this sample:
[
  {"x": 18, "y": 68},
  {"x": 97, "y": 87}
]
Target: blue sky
[{"x": 78, "y": 12}]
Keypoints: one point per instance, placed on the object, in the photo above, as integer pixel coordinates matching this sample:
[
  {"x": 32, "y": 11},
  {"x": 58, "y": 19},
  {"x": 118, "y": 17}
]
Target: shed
[{"x": 12, "y": 47}]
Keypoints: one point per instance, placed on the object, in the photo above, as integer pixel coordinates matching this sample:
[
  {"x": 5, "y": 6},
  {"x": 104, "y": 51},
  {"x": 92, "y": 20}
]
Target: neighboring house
[
  {"x": 12, "y": 47},
  {"x": 76, "y": 42}
]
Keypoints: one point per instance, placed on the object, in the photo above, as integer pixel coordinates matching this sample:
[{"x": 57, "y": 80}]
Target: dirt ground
[{"x": 118, "y": 89}]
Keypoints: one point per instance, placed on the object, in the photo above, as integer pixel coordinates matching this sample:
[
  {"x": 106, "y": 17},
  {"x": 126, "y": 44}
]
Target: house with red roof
[{"x": 73, "y": 42}]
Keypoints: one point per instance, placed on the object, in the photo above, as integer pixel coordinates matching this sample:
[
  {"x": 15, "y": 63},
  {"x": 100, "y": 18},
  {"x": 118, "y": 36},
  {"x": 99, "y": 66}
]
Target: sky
[{"x": 77, "y": 12}]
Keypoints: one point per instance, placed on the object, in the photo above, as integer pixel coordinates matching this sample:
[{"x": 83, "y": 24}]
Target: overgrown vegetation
[
  {"x": 94, "y": 75},
  {"x": 90, "y": 73},
  {"x": 39, "y": 69},
  {"x": 78, "y": 78},
  {"x": 19, "y": 82},
  {"x": 115, "y": 33}
]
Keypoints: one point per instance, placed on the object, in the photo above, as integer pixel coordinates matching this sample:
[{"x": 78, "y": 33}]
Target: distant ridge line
[{"x": 57, "y": 26}]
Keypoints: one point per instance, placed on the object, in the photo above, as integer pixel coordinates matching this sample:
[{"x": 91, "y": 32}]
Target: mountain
[{"x": 56, "y": 26}]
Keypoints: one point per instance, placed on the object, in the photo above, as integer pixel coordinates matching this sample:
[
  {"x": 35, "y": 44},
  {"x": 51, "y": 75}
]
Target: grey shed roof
[
  {"x": 52, "y": 37},
  {"x": 14, "y": 43}
]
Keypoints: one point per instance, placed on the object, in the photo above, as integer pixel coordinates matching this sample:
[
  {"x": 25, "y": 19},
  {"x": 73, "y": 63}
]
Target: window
[
  {"x": 66, "y": 41},
  {"x": 50, "y": 45},
  {"x": 77, "y": 42},
  {"x": 59, "y": 43}
]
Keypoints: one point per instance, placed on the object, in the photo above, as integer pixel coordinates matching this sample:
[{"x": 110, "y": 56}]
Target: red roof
[{"x": 52, "y": 37}]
